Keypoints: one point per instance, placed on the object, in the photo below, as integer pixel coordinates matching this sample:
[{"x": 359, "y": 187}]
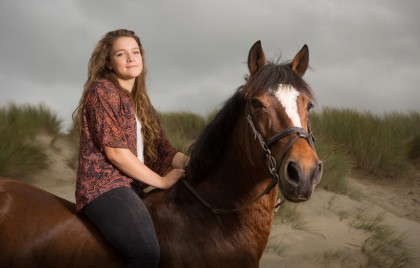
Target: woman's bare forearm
[{"x": 128, "y": 163}]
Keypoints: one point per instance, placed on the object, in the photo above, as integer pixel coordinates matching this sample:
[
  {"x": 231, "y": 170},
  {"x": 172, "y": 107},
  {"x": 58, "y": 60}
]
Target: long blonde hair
[{"x": 98, "y": 69}]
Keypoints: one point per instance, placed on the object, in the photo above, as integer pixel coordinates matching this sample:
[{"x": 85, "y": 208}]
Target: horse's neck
[
  {"x": 234, "y": 180},
  {"x": 237, "y": 184}
]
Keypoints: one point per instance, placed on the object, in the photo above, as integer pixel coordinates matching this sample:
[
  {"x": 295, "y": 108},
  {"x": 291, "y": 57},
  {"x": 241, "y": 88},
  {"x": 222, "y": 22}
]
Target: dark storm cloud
[{"x": 363, "y": 54}]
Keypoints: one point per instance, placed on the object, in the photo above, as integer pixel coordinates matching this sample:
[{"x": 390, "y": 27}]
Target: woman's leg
[{"x": 125, "y": 222}]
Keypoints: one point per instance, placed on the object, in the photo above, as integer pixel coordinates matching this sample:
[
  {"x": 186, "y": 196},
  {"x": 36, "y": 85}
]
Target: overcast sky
[{"x": 364, "y": 55}]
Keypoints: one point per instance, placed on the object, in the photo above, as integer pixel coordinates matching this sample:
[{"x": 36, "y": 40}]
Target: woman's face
[{"x": 125, "y": 59}]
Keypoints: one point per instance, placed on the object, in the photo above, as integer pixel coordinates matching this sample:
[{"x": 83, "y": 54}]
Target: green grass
[
  {"x": 365, "y": 221},
  {"x": 20, "y": 159},
  {"x": 384, "y": 247},
  {"x": 74, "y": 138},
  {"x": 337, "y": 164},
  {"x": 336, "y": 167},
  {"x": 20, "y": 154},
  {"x": 414, "y": 151},
  {"x": 333, "y": 258},
  {"x": 276, "y": 245},
  {"x": 377, "y": 145},
  {"x": 289, "y": 215},
  {"x": 182, "y": 128},
  {"x": 27, "y": 121}
]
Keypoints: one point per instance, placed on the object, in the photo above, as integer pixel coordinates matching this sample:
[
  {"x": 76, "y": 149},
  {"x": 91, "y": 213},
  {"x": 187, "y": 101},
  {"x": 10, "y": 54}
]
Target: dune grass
[
  {"x": 276, "y": 245},
  {"x": 384, "y": 247},
  {"x": 20, "y": 154},
  {"x": 74, "y": 137},
  {"x": 334, "y": 258},
  {"x": 365, "y": 221},
  {"x": 28, "y": 120},
  {"x": 377, "y": 145},
  {"x": 182, "y": 128},
  {"x": 289, "y": 215},
  {"x": 414, "y": 151}
]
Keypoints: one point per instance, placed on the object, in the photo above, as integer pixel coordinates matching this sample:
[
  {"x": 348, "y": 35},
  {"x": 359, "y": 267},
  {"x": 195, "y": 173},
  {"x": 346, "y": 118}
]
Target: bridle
[{"x": 272, "y": 166}]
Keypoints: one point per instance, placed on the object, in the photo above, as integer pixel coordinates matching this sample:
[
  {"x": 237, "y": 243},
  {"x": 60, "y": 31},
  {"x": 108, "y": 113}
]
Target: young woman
[{"x": 121, "y": 142}]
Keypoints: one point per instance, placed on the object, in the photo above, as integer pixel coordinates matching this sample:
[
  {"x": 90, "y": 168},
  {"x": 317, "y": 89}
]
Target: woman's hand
[
  {"x": 128, "y": 163},
  {"x": 172, "y": 177},
  {"x": 180, "y": 160}
]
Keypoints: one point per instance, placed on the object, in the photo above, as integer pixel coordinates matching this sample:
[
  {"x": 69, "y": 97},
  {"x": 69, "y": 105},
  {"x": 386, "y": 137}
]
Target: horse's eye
[
  {"x": 310, "y": 106},
  {"x": 256, "y": 104}
]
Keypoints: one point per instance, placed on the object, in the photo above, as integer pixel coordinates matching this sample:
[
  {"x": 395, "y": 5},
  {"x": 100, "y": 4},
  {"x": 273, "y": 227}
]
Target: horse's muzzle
[{"x": 298, "y": 179}]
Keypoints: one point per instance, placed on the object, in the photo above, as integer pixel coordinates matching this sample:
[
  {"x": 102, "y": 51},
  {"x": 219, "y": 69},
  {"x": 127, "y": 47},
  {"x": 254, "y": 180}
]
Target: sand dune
[
  {"x": 327, "y": 235},
  {"x": 329, "y": 240}
]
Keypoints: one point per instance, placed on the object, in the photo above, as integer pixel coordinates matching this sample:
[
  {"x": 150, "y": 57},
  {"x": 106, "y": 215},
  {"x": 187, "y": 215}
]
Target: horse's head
[{"x": 278, "y": 104}]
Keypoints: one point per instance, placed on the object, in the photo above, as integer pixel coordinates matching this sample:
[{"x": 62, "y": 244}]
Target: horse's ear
[
  {"x": 256, "y": 58},
  {"x": 301, "y": 61}
]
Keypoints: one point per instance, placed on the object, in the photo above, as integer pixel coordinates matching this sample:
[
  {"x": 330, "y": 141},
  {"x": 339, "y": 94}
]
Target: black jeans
[{"x": 125, "y": 222}]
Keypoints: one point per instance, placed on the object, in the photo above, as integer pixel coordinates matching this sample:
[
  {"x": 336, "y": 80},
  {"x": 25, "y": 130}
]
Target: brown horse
[{"x": 222, "y": 214}]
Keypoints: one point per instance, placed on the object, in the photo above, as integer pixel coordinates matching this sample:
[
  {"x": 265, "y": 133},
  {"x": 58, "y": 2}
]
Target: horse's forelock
[{"x": 270, "y": 76}]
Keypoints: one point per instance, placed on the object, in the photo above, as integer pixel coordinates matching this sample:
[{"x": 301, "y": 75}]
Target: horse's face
[{"x": 279, "y": 109}]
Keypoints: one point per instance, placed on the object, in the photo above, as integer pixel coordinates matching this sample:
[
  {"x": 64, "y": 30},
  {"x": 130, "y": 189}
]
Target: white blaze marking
[{"x": 287, "y": 96}]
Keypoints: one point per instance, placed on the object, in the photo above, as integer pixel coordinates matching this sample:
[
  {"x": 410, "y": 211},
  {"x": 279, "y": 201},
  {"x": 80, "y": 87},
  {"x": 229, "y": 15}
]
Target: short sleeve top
[{"x": 109, "y": 120}]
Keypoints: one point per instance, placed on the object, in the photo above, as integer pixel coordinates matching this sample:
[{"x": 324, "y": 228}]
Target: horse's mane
[
  {"x": 207, "y": 150},
  {"x": 210, "y": 145}
]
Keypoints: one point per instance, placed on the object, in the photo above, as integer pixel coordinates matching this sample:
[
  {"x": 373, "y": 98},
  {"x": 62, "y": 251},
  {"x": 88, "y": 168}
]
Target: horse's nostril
[
  {"x": 293, "y": 173},
  {"x": 316, "y": 175}
]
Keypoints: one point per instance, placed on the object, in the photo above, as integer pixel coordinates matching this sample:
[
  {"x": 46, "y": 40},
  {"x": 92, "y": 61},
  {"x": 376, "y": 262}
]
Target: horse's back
[{"x": 40, "y": 229}]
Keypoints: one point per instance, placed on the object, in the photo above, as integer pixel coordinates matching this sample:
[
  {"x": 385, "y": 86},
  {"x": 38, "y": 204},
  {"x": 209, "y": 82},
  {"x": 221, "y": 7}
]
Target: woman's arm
[{"x": 128, "y": 163}]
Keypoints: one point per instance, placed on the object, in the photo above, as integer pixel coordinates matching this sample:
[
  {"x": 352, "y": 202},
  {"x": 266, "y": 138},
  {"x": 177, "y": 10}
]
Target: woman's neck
[{"x": 127, "y": 84}]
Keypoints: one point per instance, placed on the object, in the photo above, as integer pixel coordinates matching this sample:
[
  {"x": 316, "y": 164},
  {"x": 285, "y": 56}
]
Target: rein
[{"x": 272, "y": 166}]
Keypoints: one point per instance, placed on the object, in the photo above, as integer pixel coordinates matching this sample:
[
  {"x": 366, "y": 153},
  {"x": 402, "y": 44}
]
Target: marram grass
[
  {"x": 377, "y": 145},
  {"x": 20, "y": 154}
]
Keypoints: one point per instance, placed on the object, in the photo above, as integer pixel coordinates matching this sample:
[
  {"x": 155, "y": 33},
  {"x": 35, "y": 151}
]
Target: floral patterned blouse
[{"x": 109, "y": 120}]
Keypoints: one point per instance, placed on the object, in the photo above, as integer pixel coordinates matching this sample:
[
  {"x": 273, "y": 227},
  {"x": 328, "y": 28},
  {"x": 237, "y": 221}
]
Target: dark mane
[
  {"x": 271, "y": 75},
  {"x": 210, "y": 145}
]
